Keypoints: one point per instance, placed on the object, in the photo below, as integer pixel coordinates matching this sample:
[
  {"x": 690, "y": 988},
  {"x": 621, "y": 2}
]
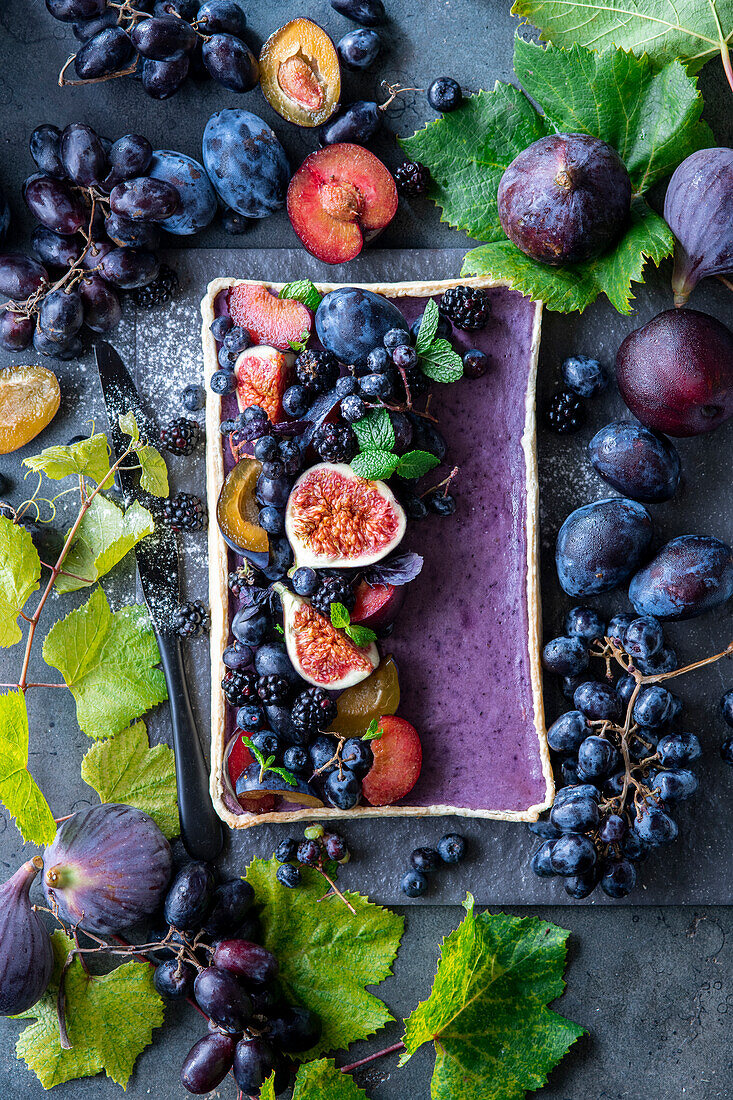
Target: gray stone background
[{"x": 651, "y": 981}]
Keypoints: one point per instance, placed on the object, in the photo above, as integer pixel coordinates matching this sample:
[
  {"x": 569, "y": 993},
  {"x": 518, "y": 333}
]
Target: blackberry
[
  {"x": 273, "y": 689},
  {"x": 565, "y": 412},
  {"x": 184, "y": 512},
  {"x": 239, "y": 686},
  {"x": 412, "y": 379},
  {"x": 333, "y": 589},
  {"x": 466, "y": 306},
  {"x": 312, "y": 711},
  {"x": 317, "y": 370},
  {"x": 335, "y": 442},
  {"x": 181, "y": 436},
  {"x": 161, "y": 290},
  {"x": 191, "y": 619},
  {"x": 412, "y": 178}
]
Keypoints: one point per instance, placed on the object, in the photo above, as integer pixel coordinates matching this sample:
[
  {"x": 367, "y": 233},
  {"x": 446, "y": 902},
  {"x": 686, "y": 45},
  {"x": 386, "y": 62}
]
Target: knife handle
[{"x": 201, "y": 830}]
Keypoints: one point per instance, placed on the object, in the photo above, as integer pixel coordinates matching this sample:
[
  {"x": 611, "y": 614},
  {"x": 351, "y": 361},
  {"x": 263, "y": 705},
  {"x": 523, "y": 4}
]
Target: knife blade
[{"x": 158, "y": 569}]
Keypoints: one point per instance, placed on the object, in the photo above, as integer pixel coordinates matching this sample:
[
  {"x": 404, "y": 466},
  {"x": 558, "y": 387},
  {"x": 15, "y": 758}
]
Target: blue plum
[
  {"x": 246, "y": 163},
  {"x": 601, "y": 544},
  {"x": 350, "y": 322},
  {"x": 690, "y": 575},
  {"x": 638, "y": 462},
  {"x": 198, "y": 201}
]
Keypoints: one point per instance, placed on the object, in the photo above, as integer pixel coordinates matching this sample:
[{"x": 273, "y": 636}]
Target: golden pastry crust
[{"x": 218, "y": 571}]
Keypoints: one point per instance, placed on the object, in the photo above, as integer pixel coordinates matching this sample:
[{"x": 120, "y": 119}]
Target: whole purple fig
[
  {"x": 565, "y": 198},
  {"x": 698, "y": 208},
  {"x": 26, "y": 955},
  {"x": 108, "y": 867}
]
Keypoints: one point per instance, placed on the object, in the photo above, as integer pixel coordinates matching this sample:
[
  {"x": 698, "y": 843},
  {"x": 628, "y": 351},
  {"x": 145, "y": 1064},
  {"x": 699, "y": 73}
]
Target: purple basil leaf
[
  {"x": 318, "y": 412},
  {"x": 396, "y": 569}
]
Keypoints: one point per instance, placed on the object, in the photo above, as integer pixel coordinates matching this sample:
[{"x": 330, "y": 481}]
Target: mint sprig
[
  {"x": 360, "y": 635},
  {"x": 376, "y": 459},
  {"x": 373, "y": 731},
  {"x": 300, "y": 344},
  {"x": 437, "y": 358},
  {"x": 266, "y": 763},
  {"x": 303, "y": 291}
]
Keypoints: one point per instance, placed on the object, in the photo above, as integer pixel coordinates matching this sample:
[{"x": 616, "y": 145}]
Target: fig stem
[
  {"x": 64, "y": 1040},
  {"x": 726, "y": 282},
  {"x": 372, "y": 1057}
]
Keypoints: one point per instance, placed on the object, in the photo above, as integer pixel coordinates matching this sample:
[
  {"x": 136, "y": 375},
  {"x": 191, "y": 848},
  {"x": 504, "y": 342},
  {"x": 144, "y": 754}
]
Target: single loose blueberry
[{"x": 414, "y": 884}]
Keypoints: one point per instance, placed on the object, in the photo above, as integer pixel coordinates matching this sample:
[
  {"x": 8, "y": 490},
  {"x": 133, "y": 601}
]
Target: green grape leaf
[
  {"x": 267, "y": 1089},
  {"x": 416, "y": 463},
  {"x": 302, "y": 291},
  {"x": 19, "y": 792},
  {"x": 154, "y": 474},
  {"x": 125, "y": 769},
  {"x": 487, "y": 1013},
  {"x": 663, "y": 29},
  {"x": 340, "y": 617},
  {"x": 20, "y": 573},
  {"x": 428, "y": 326},
  {"x": 89, "y": 457},
  {"x": 110, "y": 1020},
  {"x": 103, "y": 537},
  {"x": 441, "y": 363},
  {"x": 374, "y": 465},
  {"x": 375, "y": 432},
  {"x": 651, "y": 118},
  {"x": 573, "y": 288},
  {"x": 323, "y": 1080},
  {"x": 128, "y": 425},
  {"x": 108, "y": 662},
  {"x": 361, "y": 635},
  {"x": 327, "y": 954}
]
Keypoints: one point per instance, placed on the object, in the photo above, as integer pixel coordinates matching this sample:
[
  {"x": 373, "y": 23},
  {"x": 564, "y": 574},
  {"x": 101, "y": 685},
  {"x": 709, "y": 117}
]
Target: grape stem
[
  {"x": 372, "y": 1057},
  {"x": 64, "y": 83}
]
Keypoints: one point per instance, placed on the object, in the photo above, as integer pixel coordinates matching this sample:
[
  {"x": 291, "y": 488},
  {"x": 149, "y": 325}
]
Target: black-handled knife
[{"x": 157, "y": 565}]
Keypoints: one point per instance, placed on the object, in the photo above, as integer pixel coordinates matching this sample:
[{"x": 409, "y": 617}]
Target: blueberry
[
  {"x": 250, "y": 717},
  {"x": 353, "y": 408},
  {"x": 475, "y": 363},
  {"x": 451, "y": 848},
  {"x": 266, "y": 449},
  {"x": 444, "y": 94},
  {"x": 237, "y": 340},
  {"x": 726, "y": 708},
  {"x": 396, "y": 338},
  {"x": 584, "y": 622},
  {"x": 274, "y": 470},
  {"x": 297, "y": 760},
  {"x": 267, "y": 742},
  {"x": 404, "y": 356},
  {"x": 444, "y": 329},
  {"x": 378, "y": 360},
  {"x": 425, "y": 860},
  {"x": 291, "y": 456},
  {"x": 414, "y": 884},
  {"x": 193, "y": 398},
  {"x": 584, "y": 376},
  {"x": 220, "y": 326},
  {"x": 288, "y": 875},
  {"x": 305, "y": 581},
  {"x": 440, "y": 502},
  {"x": 342, "y": 790},
  {"x": 376, "y": 385},
  {"x": 271, "y": 520},
  {"x": 565, "y": 656},
  {"x": 296, "y": 401},
  {"x": 286, "y": 849},
  {"x": 346, "y": 385},
  {"x": 222, "y": 382},
  {"x": 226, "y": 358},
  {"x": 234, "y": 223}
]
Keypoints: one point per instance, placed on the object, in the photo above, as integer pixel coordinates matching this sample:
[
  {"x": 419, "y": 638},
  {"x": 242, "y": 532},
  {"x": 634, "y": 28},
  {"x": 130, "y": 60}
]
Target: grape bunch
[
  {"x": 318, "y": 849},
  {"x": 624, "y": 760},
  {"x": 213, "y": 957},
  {"x": 161, "y": 43},
  {"x": 99, "y": 212}
]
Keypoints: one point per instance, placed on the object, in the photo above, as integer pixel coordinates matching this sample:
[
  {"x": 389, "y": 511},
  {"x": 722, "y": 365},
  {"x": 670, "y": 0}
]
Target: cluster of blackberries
[
  {"x": 192, "y": 619},
  {"x": 450, "y": 849}
]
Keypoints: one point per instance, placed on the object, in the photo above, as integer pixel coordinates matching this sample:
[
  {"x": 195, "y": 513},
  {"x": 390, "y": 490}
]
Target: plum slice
[
  {"x": 377, "y": 605},
  {"x": 300, "y": 75},
  {"x": 377, "y": 695},
  {"x": 252, "y": 787},
  {"x": 29, "y": 400},
  {"x": 277, "y": 322},
  {"x": 237, "y": 513},
  {"x": 340, "y": 198},
  {"x": 397, "y": 762},
  {"x": 262, "y": 378}
]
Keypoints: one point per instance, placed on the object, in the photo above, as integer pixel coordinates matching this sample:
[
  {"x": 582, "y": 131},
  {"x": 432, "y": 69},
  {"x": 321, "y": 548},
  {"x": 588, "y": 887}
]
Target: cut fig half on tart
[
  {"x": 321, "y": 654},
  {"x": 262, "y": 377}
]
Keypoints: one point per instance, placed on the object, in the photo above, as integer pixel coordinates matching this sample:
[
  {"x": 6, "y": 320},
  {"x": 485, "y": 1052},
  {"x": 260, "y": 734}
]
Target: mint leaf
[
  {"x": 339, "y": 615},
  {"x": 374, "y": 465},
  {"x": 375, "y": 432},
  {"x": 360, "y": 635},
  {"x": 651, "y": 118},
  {"x": 428, "y": 326},
  {"x": 663, "y": 29},
  {"x": 416, "y": 463},
  {"x": 259, "y": 756},
  {"x": 299, "y": 344},
  {"x": 441, "y": 363},
  {"x": 323, "y": 1080},
  {"x": 89, "y": 457},
  {"x": 19, "y": 792},
  {"x": 103, "y": 538},
  {"x": 373, "y": 731},
  {"x": 302, "y": 291},
  {"x": 487, "y": 1013},
  {"x": 110, "y": 1020},
  {"x": 327, "y": 955},
  {"x": 125, "y": 769},
  {"x": 284, "y": 774},
  {"x": 108, "y": 662},
  {"x": 20, "y": 573},
  {"x": 154, "y": 473}
]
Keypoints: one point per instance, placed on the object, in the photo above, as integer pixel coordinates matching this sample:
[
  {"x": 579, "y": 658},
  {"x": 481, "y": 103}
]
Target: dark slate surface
[{"x": 651, "y": 984}]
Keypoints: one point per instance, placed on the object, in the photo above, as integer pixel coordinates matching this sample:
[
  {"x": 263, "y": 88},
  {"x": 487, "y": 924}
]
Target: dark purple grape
[
  {"x": 102, "y": 309},
  {"x": 230, "y": 62},
  {"x": 221, "y": 17},
  {"x": 208, "y": 1062},
  {"x": 61, "y": 315},
  {"x": 597, "y": 758},
  {"x": 54, "y": 205},
  {"x": 248, "y": 960},
  {"x": 567, "y": 733},
  {"x": 83, "y": 156},
  {"x": 581, "y": 886},
  {"x": 20, "y": 276},
  {"x": 132, "y": 234},
  {"x": 45, "y": 147},
  {"x": 189, "y": 898},
  {"x": 219, "y": 994},
  {"x": 163, "y": 38},
  {"x": 254, "y": 1061},
  {"x": 584, "y": 622},
  {"x": 678, "y": 748},
  {"x": 186, "y": 9},
  {"x": 108, "y": 52},
  {"x": 565, "y": 656},
  {"x": 16, "y": 331},
  {"x": 596, "y": 700},
  {"x": 675, "y": 785},
  {"x": 359, "y": 49},
  {"x": 234, "y": 223},
  {"x": 162, "y": 79},
  {"x": 643, "y": 637},
  {"x": 69, "y": 349},
  {"x": 572, "y": 855},
  {"x": 232, "y": 902},
  {"x": 614, "y": 829},
  {"x": 95, "y": 253},
  {"x": 145, "y": 199},
  {"x": 54, "y": 250},
  {"x": 129, "y": 157},
  {"x": 129, "y": 267},
  {"x": 87, "y": 28},
  {"x": 575, "y": 815},
  {"x": 619, "y": 879},
  {"x": 653, "y": 706},
  {"x": 654, "y": 827},
  {"x": 636, "y": 461},
  {"x": 370, "y": 13},
  {"x": 295, "y": 1029},
  {"x": 69, "y": 11},
  {"x": 357, "y": 122},
  {"x": 174, "y": 978},
  {"x": 237, "y": 656},
  {"x": 540, "y": 862}
]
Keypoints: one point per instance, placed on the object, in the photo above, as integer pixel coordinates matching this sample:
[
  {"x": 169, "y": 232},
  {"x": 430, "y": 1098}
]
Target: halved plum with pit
[
  {"x": 300, "y": 75},
  {"x": 237, "y": 513},
  {"x": 29, "y": 400},
  {"x": 269, "y": 320},
  {"x": 397, "y": 762},
  {"x": 340, "y": 198},
  {"x": 263, "y": 375}
]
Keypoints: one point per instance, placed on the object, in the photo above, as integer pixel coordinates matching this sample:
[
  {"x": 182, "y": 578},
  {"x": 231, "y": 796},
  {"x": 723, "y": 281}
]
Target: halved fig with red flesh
[
  {"x": 321, "y": 654},
  {"x": 340, "y": 198},
  {"x": 267, "y": 318},
  {"x": 237, "y": 513},
  {"x": 334, "y": 518},
  {"x": 262, "y": 375}
]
